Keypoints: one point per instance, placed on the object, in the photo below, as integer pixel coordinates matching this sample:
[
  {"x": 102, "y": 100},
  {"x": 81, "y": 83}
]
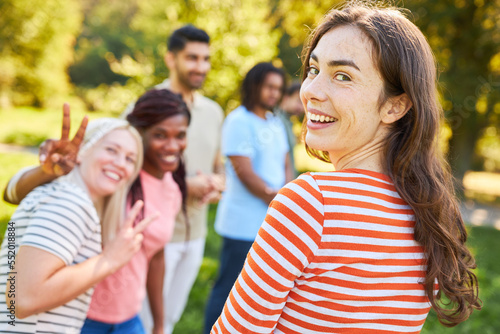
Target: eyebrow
[
  {"x": 111, "y": 142},
  {"x": 339, "y": 62}
]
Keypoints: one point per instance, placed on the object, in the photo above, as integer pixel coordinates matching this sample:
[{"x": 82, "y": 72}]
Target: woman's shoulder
[
  {"x": 74, "y": 191},
  {"x": 348, "y": 178},
  {"x": 238, "y": 114},
  {"x": 62, "y": 194}
]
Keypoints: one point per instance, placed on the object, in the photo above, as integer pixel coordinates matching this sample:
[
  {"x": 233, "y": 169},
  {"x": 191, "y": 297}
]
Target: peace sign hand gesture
[
  {"x": 128, "y": 241},
  {"x": 59, "y": 156}
]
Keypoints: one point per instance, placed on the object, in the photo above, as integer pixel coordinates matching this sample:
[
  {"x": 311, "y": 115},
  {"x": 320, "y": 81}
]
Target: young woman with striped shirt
[
  {"x": 372, "y": 246},
  {"x": 51, "y": 254}
]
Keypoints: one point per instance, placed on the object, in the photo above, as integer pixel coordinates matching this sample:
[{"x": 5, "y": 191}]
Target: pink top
[{"x": 119, "y": 296}]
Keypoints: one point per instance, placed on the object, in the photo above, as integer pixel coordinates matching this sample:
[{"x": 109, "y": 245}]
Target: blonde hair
[{"x": 111, "y": 209}]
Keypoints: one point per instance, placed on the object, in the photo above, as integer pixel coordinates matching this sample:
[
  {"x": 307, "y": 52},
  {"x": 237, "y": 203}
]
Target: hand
[
  {"x": 58, "y": 157},
  {"x": 212, "y": 197},
  {"x": 218, "y": 182},
  {"x": 218, "y": 185},
  {"x": 199, "y": 185},
  {"x": 270, "y": 194},
  {"x": 128, "y": 241}
]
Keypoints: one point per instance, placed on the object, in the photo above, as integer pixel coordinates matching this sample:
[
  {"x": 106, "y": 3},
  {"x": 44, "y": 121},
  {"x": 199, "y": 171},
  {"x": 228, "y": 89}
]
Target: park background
[{"x": 101, "y": 55}]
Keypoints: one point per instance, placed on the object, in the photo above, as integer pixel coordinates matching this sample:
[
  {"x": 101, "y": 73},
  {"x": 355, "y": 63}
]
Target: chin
[{"x": 314, "y": 142}]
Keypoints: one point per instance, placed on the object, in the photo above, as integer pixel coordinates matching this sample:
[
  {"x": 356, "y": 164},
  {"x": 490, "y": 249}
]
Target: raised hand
[
  {"x": 59, "y": 156},
  {"x": 128, "y": 240}
]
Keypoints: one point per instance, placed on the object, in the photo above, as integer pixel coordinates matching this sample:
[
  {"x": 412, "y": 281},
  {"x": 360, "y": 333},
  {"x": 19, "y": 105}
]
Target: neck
[
  {"x": 369, "y": 157},
  {"x": 77, "y": 177},
  {"x": 259, "y": 111},
  {"x": 154, "y": 172},
  {"x": 177, "y": 87}
]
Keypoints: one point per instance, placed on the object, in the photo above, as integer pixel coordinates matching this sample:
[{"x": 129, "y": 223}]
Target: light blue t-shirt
[{"x": 264, "y": 141}]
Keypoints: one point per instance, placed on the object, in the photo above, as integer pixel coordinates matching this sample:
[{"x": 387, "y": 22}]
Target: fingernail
[{"x": 42, "y": 158}]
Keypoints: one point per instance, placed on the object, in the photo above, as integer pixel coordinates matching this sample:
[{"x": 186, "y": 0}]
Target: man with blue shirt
[{"x": 254, "y": 142}]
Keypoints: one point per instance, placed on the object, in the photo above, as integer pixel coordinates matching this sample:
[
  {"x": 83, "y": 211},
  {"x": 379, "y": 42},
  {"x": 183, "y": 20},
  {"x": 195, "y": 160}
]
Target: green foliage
[{"x": 36, "y": 38}]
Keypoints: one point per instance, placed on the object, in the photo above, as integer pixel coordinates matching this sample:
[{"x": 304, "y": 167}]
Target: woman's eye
[
  {"x": 111, "y": 149},
  {"x": 158, "y": 136},
  {"x": 312, "y": 71},
  {"x": 342, "y": 77},
  {"x": 130, "y": 160}
]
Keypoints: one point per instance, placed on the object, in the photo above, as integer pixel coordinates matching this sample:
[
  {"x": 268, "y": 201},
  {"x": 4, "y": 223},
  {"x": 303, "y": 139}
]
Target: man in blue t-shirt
[{"x": 254, "y": 142}]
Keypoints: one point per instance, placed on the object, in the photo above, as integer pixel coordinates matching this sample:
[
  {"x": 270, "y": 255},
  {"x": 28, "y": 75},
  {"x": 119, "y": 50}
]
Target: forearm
[
  {"x": 59, "y": 288},
  {"x": 23, "y": 182},
  {"x": 257, "y": 186},
  {"x": 218, "y": 165},
  {"x": 154, "y": 285},
  {"x": 254, "y": 183}
]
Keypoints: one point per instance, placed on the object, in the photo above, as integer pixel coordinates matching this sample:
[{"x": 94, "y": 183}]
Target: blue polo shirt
[{"x": 264, "y": 141}]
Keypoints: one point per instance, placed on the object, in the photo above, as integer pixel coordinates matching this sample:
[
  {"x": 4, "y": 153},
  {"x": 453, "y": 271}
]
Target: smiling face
[
  {"x": 341, "y": 95},
  {"x": 190, "y": 65},
  {"x": 109, "y": 164},
  {"x": 164, "y": 144}
]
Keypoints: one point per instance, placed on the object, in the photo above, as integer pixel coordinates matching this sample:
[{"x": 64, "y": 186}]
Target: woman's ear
[{"x": 395, "y": 108}]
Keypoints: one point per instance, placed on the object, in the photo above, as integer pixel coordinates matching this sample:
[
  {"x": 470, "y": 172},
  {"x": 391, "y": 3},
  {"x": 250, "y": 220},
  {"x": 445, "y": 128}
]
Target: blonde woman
[{"x": 51, "y": 255}]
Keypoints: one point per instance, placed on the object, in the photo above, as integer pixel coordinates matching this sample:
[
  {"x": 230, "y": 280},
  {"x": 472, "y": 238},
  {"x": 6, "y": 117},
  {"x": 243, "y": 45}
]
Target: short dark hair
[
  {"x": 252, "y": 84},
  {"x": 180, "y": 37}
]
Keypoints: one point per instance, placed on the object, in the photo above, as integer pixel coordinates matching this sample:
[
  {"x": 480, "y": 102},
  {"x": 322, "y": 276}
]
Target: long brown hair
[{"x": 412, "y": 157}]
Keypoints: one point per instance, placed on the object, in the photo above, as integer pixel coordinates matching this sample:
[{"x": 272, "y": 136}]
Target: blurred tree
[
  {"x": 37, "y": 45},
  {"x": 465, "y": 37},
  {"x": 296, "y": 19}
]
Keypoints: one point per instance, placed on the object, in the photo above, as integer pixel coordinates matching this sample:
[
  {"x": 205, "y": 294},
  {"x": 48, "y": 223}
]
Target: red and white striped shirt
[{"x": 336, "y": 254}]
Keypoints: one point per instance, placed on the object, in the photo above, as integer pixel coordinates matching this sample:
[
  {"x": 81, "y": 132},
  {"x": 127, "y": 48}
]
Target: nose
[
  {"x": 171, "y": 146},
  {"x": 203, "y": 65},
  {"x": 313, "y": 89},
  {"x": 120, "y": 161}
]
